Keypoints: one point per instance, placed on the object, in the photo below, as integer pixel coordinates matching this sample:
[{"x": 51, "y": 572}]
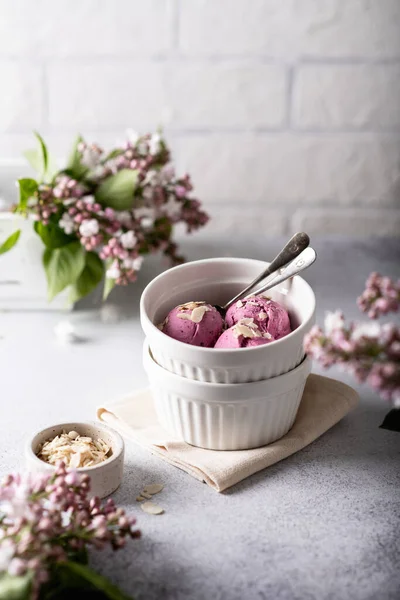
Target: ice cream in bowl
[
  {"x": 250, "y": 322},
  {"x": 259, "y": 337}
]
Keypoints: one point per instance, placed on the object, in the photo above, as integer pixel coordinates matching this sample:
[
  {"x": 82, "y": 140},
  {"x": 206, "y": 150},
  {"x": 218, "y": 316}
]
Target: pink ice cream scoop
[
  {"x": 244, "y": 334},
  {"x": 195, "y": 323},
  {"x": 270, "y": 316}
]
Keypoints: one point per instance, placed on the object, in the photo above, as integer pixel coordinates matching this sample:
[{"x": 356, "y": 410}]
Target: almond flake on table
[
  {"x": 145, "y": 495},
  {"x": 66, "y": 333},
  {"x": 153, "y": 488},
  {"x": 152, "y": 508}
]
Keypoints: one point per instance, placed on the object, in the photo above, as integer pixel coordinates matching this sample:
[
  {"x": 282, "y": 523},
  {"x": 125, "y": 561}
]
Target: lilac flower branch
[
  {"x": 48, "y": 520},
  {"x": 119, "y": 206},
  {"x": 369, "y": 351}
]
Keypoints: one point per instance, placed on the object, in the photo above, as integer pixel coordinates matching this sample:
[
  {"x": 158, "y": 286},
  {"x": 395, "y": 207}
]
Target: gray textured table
[{"x": 323, "y": 524}]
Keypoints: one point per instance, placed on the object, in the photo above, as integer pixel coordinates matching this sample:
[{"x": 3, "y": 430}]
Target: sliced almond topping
[
  {"x": 145, "y": 495},
  {"x": 73, "y": 435},
  {"x": 184, "y": 316},
  {"x": 151, "y": 508},
  {"x": 239, "y": 304},
  {"x": 198, "y": 313},
  {"x": 267, "y": 335},
  {"x": 190, "y": 305},
  {"x": 239, "y": 330},
  {"x": 262, "y": 315},
  {"x": 139, "y": 498},
  {"x": 247, "y": 328},
  {"x": 249, "y": 321},
  {"x": 153, "y": 488},
  {"x": 161, "y": 326},
  {"x": 75, "y": 460}
]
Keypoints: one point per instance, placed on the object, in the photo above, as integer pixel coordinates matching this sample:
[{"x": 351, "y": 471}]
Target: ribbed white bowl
[
  {"x": 226, "y": 416},
  {"x": 215, "y": 281}
]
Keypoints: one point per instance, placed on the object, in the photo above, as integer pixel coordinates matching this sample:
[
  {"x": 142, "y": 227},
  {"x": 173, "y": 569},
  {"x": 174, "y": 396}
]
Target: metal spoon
[
  {"x": 291, "y": 250},
  {"x": 302, "y": 262}
]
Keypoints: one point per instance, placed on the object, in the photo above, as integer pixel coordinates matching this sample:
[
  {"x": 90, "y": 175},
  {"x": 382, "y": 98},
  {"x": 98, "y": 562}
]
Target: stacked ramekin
[{"x": 225, "y": 399}]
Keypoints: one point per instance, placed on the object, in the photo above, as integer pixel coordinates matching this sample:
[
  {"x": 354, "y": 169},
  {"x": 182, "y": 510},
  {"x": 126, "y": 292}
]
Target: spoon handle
[
  {"x": 302, "y": 262},
  {"x": 291, "y": 250}
]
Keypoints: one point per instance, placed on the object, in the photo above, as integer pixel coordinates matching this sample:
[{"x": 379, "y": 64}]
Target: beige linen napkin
[{"x": 325, "y": 401}]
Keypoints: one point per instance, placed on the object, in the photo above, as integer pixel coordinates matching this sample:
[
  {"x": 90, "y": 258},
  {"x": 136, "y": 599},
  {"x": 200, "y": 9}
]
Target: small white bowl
[
  {"x": 215, "y": 281},
  {"x": 218, "y": 416},
  {"x": 105, "y": 477}
]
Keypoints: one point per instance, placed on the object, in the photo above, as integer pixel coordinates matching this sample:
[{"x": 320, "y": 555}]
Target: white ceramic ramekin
[
  {"x": 215, "y": 281},
  {"x": 226, "y": 416},
  {"x": 105, "y": 477}
]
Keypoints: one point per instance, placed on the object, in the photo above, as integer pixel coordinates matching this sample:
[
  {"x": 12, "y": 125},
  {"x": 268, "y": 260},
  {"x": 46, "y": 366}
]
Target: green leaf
[
  {"x": 97, "y": 581},
  {"x": 109, "y": 285},
  {"x": 117, "y": 190},
  {"x": 63, "y": 267},
  {"x": 34, "y": 158},
  {"x": 15, "y": 588},
  {"x": 52, "y": 235},
  {"x": 80, "y": 556},
  {"x": 43, "y": 152},
  {"x": 89, "y": 279},
  {"x": 52, "y": 168},
  {"x": 74, "y": 166},
  {"x": 27, "y": 189},
  {"x": 40, "y": 160},
  {"x": 10, "y": 242},
  {"x": 114, "y": 153}
]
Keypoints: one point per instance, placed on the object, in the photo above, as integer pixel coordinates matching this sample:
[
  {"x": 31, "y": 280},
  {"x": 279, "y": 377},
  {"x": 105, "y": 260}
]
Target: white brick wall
[
  {"x": 286, "y": 112},
  {"x": 347, "y": 96}
]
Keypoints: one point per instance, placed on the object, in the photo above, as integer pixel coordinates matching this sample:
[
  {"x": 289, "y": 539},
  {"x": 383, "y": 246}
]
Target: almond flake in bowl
[{"x": 76, "y": 451}]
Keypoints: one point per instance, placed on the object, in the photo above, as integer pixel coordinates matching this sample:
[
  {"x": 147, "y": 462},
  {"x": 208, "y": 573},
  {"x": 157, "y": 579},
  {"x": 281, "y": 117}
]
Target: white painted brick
[
  {"x": 351, "y": 222},
  {"x": 104, "y": 96},
  {"x": 227, "y": 95},
  {"x": 236, "y": 221},
  {"x": 179, "y": 95},
  {"x": 270, "y": 169},
  {"x": 21, "y": 95},
  {"x": 84, "y": 27},
  {"x": 332, "y": 28},
  {"x": 365, "y": 96}
]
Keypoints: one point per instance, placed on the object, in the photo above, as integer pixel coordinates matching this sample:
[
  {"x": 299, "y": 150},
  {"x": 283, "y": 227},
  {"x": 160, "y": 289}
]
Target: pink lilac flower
[
  {"x": 370, "y": 351},
  {"x": 46, "y": 519},
  {"x": 381, "y": 296},
  {"x": 91, "y": 154}
]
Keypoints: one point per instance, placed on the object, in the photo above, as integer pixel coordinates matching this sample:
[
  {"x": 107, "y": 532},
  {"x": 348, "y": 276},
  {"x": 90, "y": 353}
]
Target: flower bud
[
  {"x": 72, "y": 478},
  {"x": 109, "y": 212},
  {"x": 17, "y": 567},
  {"x": 123, "y": 522}
]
